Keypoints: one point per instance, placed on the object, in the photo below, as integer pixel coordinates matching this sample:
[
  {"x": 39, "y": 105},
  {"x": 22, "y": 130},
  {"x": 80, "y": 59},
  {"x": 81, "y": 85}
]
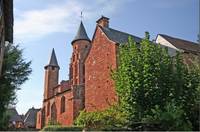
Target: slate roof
[
  {"x": 182, "y": 44},
  {"x": 53, "y": 60},
  {"x": 14, "y": 116},
  {"x": 118, "y": 36},
  {"x": 81, "y": 34},
  {"x": 102, "y": 17},
  {"x": 30, "y": 117}
]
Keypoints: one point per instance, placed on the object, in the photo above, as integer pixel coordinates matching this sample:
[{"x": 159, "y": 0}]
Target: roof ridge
[
  {"x": 122, "y": 32},
  {"x": 27, "y": 116},
  {"x": 118, "y": 36},
  {"x": 178, "y": 38},
  {"x": 182, "y": 44}
]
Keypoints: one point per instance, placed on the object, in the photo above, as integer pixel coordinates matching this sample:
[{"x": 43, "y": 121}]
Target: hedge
[{"x": 61, "y": 128}]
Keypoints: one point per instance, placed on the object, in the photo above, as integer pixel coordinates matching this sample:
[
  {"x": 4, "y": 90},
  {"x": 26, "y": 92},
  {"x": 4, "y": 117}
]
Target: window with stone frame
[{"x": 62, "y": 104}]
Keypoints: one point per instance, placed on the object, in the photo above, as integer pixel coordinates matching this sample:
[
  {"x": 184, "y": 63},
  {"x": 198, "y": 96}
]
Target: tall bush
[{"x": 147, "y": 76}]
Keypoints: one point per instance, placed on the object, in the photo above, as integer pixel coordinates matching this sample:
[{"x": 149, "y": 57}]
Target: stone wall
[{"x": 99, "y": 87}]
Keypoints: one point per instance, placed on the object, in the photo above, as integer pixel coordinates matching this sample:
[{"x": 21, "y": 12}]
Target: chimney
[{"x": 103, "y": 21}]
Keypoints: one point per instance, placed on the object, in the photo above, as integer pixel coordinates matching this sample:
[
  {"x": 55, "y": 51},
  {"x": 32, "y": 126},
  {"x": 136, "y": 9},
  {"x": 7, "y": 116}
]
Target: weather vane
[{"x": 81, "y": 16}]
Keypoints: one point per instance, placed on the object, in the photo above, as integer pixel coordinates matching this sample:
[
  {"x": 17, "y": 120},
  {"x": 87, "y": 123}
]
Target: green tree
[
  {"x": 153, "y": 89},
  {"x": 148, "y": 77},
  {"x": 14, "y": 73},
  {"x": 110, "y": 118}
]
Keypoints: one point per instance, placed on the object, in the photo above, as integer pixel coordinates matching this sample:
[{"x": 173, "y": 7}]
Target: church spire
[
  {"x": 51, "y": 76},
  {"x": 53, "y": 60},
  {"x": 81, "y": 34}
]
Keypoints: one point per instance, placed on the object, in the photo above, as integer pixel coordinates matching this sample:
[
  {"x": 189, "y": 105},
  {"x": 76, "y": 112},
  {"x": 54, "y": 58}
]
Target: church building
[{"x": 90, "y": 86}]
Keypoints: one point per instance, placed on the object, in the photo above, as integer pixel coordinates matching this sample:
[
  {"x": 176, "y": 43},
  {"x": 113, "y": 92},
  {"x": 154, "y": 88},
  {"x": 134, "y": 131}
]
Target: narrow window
[
  {"x": 53, "y": 112},
  {"x": 48, "y": 108},
  {"x": 62, "y": 104},
  {"x": 39, "y": 118}
]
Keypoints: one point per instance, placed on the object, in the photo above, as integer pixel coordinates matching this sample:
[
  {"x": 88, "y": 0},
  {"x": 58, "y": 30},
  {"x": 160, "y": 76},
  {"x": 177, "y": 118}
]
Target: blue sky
[{"x": 41, "y": 25}]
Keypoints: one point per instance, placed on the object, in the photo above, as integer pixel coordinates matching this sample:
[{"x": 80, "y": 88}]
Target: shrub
[
  {"x": 53, "y": 122},
  {"x": 61, "y": 128},
  {"x": 109, "y": 119},
  {"x": 147, "y": 76},
  {"x": 171, "y": 118}
]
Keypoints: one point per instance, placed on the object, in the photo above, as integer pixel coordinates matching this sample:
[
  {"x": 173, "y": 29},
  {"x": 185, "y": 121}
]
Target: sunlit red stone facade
[{"x": 89, "y": 87}]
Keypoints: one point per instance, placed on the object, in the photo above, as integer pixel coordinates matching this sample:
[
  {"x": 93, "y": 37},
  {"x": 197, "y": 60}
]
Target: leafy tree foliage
[
  {"x": 14, "y": 73},
  {"x": 149, "y": 78},
  {"x": 153, "y": 88},
  {"x": 109, "y": 118},
  {"x": 171, "y": 118}
]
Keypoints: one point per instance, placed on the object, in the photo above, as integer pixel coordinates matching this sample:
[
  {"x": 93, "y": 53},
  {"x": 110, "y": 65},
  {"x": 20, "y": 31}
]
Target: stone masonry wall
[
  {"x": 99, "y": 87},
  {"x": 51, "y": 81}
]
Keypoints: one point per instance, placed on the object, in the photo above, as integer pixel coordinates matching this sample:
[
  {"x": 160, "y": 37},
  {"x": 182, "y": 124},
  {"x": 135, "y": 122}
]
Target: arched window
[
  {"x": 48, "y": 108},
  {"x": 62, "y": 108},
  {"x": 53, "y": 112}
]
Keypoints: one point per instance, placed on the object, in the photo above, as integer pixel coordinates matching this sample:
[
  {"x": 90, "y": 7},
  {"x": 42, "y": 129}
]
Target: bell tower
[
  {"x": 51, "y": 76},
  {"x": 81, "y": 46}
]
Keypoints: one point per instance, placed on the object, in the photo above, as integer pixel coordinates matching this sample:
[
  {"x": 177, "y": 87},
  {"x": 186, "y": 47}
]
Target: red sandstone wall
[
  {"x": 80, "y": 51},
  {"x": 65, "y": 118},
  {"x": 78, "y": 100},
  {"x": 99, "y": 87},
  {"x": 51, "y": 81},
  {"x": 38, "y": 120}
]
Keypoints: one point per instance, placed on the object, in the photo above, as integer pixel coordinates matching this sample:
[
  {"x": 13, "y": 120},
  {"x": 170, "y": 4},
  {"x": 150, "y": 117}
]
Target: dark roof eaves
[
  {"x": 79, "y": 39},
  {"x": 52, "y": 66}
]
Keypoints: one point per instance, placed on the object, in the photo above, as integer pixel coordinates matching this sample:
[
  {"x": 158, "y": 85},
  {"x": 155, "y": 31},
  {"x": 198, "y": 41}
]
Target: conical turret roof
[
  {"x": 81, "y": 34},
  {"x": 53, "y": 60}
]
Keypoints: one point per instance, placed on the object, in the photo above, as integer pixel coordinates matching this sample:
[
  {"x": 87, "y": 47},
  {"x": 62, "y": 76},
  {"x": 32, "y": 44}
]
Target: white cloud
[
  {"x": 63, "y": 17},
  {"x": 35, "y": 24}
]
